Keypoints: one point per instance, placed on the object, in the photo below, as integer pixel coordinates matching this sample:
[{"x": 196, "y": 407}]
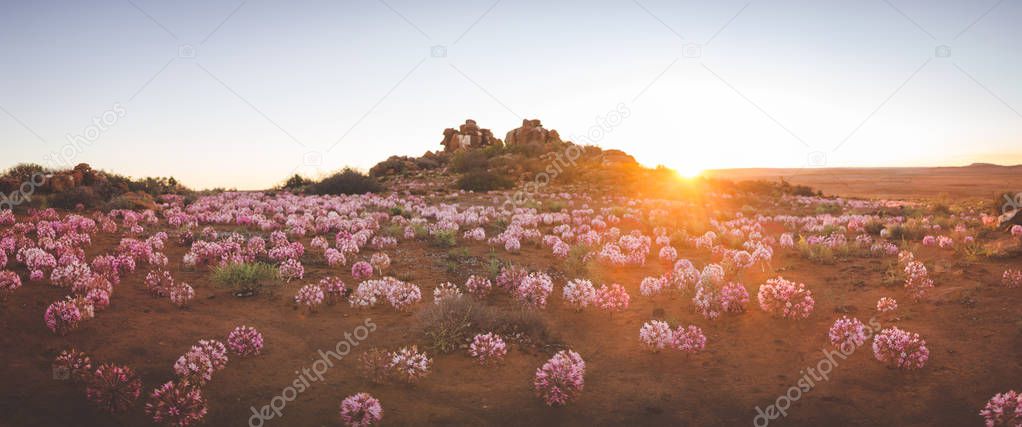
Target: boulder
[
  {"x": 468, "y": 135},
  {"x": 532, "y": 132}
]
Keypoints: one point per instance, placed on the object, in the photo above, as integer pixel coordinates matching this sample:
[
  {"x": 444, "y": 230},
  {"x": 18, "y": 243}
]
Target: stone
[
  {"x": 532, "y": 132},
  {"x": 468, "y": 135}
]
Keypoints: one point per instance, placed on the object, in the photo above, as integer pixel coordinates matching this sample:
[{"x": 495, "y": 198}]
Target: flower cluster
[
  {"x": 561, "y": 379},
  {"x": 579, "y": 293},
  {"x": 176, "y": 404},
  {"x": 689, "y": 339},
  {"x": 113, "y": 388},
  {"x": 734, "y": 297},
  {"x": 487, "y": 348},
  {"x": 1012, "y": 278},
  {"x": 291, "y": 269},
  {"x": 1003, "y": 410},
  {"x": 409, "y": 365},
  {"x": 76, "y": 364},
  {"x": 652, "y": 286},
  {"x": 847, "y": 331},
  {"x": 245, "y": 341},
  {"x": 9, "y": 281},
  {"x": 612, "y": 298},
  {"x": 786, "y": 299},
  {"x": 181, "y": 294},
  {"x": 446, "y": 290},
  {"x": 478, "y": 286},
  {"x": 380, "y": 262},
  {"x": 361, "y": 410},
  {"x": 333, "y": 288},
  {"x": 886, "y": 304},
  {"x": 534, "y": 290},
  {"x": 656, "y": 335},
  {"x": 917, "y": 281},
  {"x": 310, "y": 296},
  {"x": 900, "y": 349},
  {"x": 62, "y": 317},
  {"x": 361, "y": 270}
]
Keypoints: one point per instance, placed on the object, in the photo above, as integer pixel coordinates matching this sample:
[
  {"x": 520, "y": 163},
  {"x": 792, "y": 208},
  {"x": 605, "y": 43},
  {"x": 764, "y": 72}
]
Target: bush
[
  {"x": 444, "y": 239},
  {"x": 296, "y": 182},
  {"x": 245, "y": 278},
  {"x": 348, "y": 181},
  {"x": 393, "y": 165},
  {"x": 484, "y": 181},
  {"x": 469, "y": 161},
  {"x": 69, "y": 199},
  {"x": 454, "y": 321}
]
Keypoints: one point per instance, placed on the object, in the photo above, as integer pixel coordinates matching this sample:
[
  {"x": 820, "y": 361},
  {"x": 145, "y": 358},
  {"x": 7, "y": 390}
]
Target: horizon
[{"x": 244, "y": 94}]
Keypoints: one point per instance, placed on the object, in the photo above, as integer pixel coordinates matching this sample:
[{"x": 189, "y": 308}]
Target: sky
[{"x": 242, "y": 94}]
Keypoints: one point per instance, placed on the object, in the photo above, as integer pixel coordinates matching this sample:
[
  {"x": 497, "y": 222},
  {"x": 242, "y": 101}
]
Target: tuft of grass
[
  {"x": 444, "y": 239},
  {"x": 245, "y": 278}
]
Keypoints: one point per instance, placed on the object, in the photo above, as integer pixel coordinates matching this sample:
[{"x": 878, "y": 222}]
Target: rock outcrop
[
  {"x": 468, "y": 135},
  {"x": 531, "y": 132}
]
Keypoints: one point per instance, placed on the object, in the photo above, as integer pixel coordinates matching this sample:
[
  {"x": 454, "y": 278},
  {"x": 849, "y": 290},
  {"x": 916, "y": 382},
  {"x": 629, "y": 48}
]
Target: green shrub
[
  {"x": 469, "y": 161},
  {"x": 246, "y": 278},
  {"x": 444, "y": 239},
  {"x": 347, "y": 181},
  {"x": 484, "y": 181}
]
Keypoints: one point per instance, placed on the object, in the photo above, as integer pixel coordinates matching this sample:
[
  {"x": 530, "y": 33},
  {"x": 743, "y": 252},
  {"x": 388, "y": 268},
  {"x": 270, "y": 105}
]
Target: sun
[{"x": 688, "y": 171}]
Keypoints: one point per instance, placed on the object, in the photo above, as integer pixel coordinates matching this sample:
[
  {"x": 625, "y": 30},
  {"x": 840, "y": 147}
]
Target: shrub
[
  {"x": 690, "y": 339},
  {"x": 469, "y": 161},
  {"x": 444, "y": 238},
  {"x": 73, "y": 197},
  {"x": 347, "y": 181},
  {"x": 245, "y": 278},
  {"x": 76, "y": 364},
  {"x": 448, "y": 325},
  {"x": 656, "y": 335},
  {"x": 483, "y": 181},
  {"x": 374, "y": 365}
]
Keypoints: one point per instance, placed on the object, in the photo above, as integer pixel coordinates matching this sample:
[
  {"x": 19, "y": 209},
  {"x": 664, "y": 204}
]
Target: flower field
[{"x": 453, "y": 308}]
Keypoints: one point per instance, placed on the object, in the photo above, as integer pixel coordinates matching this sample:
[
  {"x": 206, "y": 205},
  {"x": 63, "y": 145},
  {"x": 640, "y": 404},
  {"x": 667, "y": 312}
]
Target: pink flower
[
  {"x": 886, "y": 304},
  {"x": 76, "y": 364},
  {"x": 380, "y": 262},
  {"x": 579, "y": 293},
  {"x": 1016, "y": 230},
  {"x": 652, "y": 286},
  {"x": 291, "y": 269},
  {"x": 478, "y": 286},
  {"x": 487, "y": 348},
  {"x": 534, "y": 290},
  {"x": 410, "y": 365},
  {"x": 310, "y": 296},
  {"x": 613, "y": 298},
  {"x": 176, "y": 404},
  {"x": 113, "y": 388},
  {"x": 62, "y": 317},
  {"x": 690, "y": 339},
  {"x": 361, "y": 270},
  {"x": 361, "y": 410},
  {"x": 787, "y": 299},
  {"x": 181, "y": 294},
  {"x": 847, "y": 331},
  {"x": 561, "y": 379},
  {"x": 100, "y": 298},
  {"x": 333, "y": 288},
  {"x": 159, "y": 282},
  {"x": 245, "y": 341},
  {"x": 1003, "y": 410},
  {"x": 510, "y": 277},
  {"x": 900, "y": 349},
  {"x": 656, "y": 335},
  {"x": 668, "y": 254},
  {"x": 1012, "y": 278},
  {"x": 9, "y": 281},
  {"x": 334, "y": 257},
  {"x": 734, "y": 297},
  {"x": 917, "y": 280}
]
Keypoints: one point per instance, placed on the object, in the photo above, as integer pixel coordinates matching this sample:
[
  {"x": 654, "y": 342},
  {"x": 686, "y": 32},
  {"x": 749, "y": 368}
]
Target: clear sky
[{"x": 243, "y": 93}]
